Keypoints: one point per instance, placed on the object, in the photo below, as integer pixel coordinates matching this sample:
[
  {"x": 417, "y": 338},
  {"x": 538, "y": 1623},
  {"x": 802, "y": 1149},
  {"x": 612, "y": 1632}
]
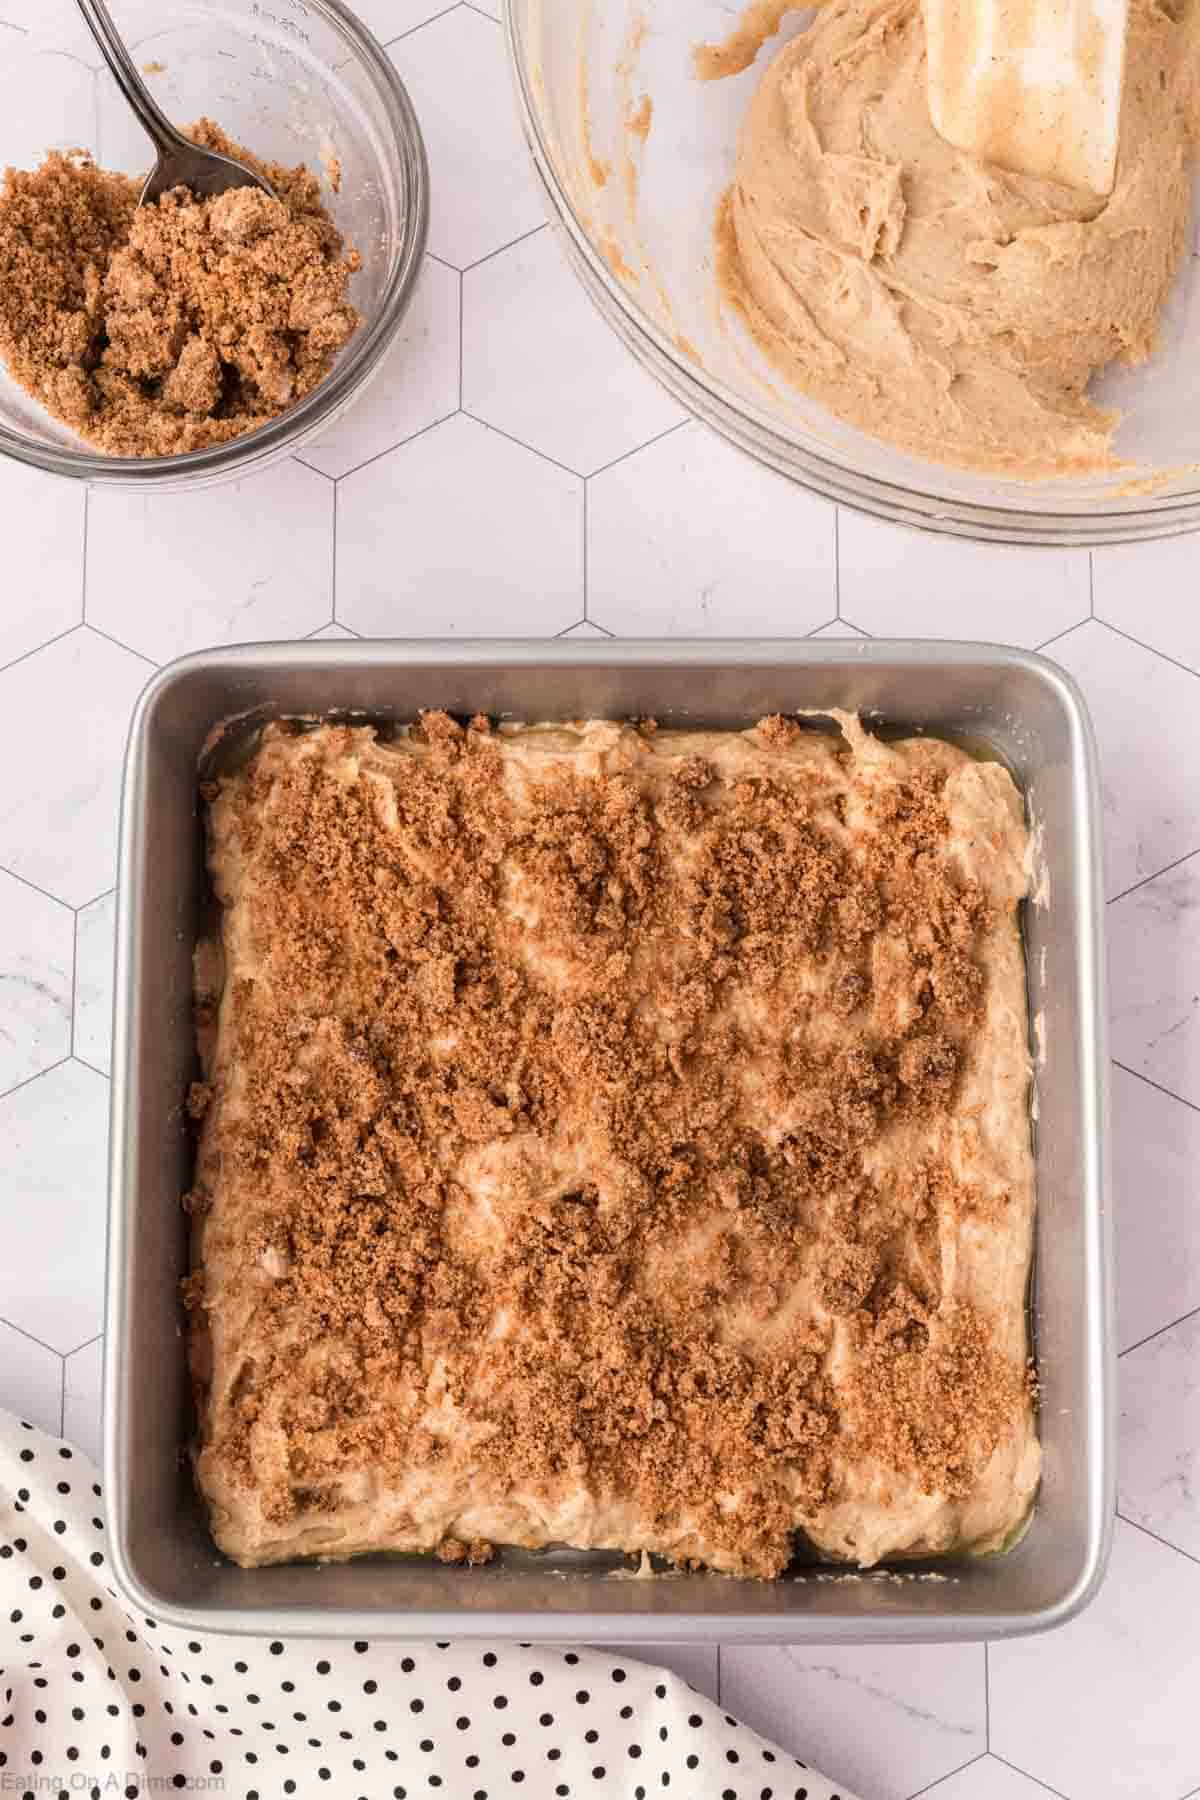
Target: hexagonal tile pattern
[
  {"x": 250, "y": 560},
  {"x": 1105, "y": 1707},
  {"x": 390, "y": 19},
  {"x": 94, "y": 929},
  {"x": 36, "y": 954},
  {"x": 887, "y": 1721},
  {"x": 53, "y": 1135},
  {"x": 839, "y": 628},
  {"x": 43, "y": 593},
  {"x": 689, "y": 537},
  {"x": 1156, "y": 1152},
  {"x": 31, "y": 1379},
  {"x": 1135, "y": 588},
  {"x": 47, "y": 98},
  {"x": 1147, "y": 751},
  {"x": 512, "y": 563},
  {"x": 416, "y": 385},
  {"x": 58, "y": 822},
  {"x": 588, "y": 631},
  {"x": 898, "y": 583},
  {"x": 82, "y": 1403},
  {"x": 1154, "y": 980},
  {"x": 540, "y": 363},
  {"x": 484, "y": 193},
  {"x": 987, "y": 1778},
  {"x": 1159, "y": 1435}
]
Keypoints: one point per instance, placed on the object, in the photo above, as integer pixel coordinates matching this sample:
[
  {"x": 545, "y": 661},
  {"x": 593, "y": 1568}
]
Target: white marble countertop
[{"x": 512, "y": 472}]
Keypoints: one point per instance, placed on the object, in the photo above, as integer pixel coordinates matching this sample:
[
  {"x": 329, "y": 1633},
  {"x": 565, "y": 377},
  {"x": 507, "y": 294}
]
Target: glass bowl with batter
[
  {"x": 638, "y": 156},
  {"x": 294, "y": 83}
]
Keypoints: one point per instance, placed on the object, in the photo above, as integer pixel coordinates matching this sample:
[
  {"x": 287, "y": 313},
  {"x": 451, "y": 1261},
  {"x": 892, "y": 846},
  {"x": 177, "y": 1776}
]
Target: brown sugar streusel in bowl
[
  {"x": 177, "y": 325},
  {"x": 190, "y": 341},
  {"x": 613, "y": 1137}
]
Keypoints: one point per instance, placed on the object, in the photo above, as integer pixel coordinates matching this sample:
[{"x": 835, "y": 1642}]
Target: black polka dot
[
  {"x": 490, "y": 1659},
  {"x": 322, "y": 1668},
  {"x": 500, "y": 1702}
]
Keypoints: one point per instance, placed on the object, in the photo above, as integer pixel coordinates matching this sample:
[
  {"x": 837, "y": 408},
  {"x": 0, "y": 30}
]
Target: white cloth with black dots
[{"x": 102, "y": 1703}]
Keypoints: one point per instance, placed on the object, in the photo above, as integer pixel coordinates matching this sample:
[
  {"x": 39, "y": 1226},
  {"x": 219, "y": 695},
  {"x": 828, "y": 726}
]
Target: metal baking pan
[{"x": 1030, "y": 713}]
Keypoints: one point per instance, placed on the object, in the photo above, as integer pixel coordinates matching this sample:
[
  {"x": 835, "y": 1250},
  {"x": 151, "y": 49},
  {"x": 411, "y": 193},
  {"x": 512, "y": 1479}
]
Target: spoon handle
[{"x": 152, "y": 119}]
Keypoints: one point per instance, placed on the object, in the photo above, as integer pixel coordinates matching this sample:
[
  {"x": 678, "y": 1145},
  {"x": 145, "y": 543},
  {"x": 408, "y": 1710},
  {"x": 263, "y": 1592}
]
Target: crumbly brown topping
[
  {"x": 581, "y": 993},
  {"x": 174, "y": 326}
]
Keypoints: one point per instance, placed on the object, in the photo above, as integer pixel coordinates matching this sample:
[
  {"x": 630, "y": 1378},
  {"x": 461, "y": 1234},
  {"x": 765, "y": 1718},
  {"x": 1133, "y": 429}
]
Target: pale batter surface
[
  {"x": 613, "y": 1137},
  {"x": 945, "y": 305}
]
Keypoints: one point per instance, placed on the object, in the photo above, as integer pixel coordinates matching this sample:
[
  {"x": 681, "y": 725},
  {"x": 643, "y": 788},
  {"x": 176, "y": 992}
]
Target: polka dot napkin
[{"x": 100, "y": 1703}]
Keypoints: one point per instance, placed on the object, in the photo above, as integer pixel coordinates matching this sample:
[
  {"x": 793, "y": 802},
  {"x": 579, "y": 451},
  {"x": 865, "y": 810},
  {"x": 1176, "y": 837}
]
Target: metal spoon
[{"x": 180, "y": 162}]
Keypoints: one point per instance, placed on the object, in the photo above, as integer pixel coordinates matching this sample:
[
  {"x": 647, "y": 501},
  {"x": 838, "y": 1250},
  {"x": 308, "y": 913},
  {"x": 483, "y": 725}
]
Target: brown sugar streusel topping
[
  {"x": 157, "y": 329},
  {"x": 566, "y": 1090}
]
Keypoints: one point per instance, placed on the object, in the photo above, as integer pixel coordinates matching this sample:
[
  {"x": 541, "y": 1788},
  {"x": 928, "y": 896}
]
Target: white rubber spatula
[{"x": 1032, "y": 85}]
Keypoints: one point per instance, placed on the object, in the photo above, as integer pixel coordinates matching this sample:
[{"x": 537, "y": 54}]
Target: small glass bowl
[
  {"x": 294, "y": 81},
  {"x": 635, "y": 193}
]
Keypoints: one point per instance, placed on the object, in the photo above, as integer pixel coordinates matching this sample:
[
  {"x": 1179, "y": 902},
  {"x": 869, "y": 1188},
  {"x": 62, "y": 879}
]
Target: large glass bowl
[
  {"x": 295, "y": 81},
  {"x": 637, "y": 222}
]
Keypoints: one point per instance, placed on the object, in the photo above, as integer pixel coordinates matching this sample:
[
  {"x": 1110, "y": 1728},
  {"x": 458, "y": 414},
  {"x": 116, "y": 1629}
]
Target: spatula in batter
[{"x": 1032, "y": 85}]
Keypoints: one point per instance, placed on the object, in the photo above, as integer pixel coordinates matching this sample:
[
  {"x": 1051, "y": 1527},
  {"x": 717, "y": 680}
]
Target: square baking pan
[{"x": 1024, "y": 709}]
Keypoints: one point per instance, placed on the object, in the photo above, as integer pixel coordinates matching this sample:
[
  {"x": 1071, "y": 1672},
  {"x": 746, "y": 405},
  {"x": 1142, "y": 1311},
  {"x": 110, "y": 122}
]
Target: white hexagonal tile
[
  {"x": 58, "y": 821},
  {"x": 886, "y": 1721},
  {"x": 987, "y": 1779},
  {"x": 36, "y": 951},
  {"x": 1150, "y": 591},
  {"x": 1156, "y": 1153},
  {"x": 1159, "y": 1435},
  {"x": 94, "y": 929},
  {"x": 47, "y": 98},
  {"x": 31, "y": 1378},
  {"x": 588, "y": 631},
  {"x": 839, "y": 628},
  {"x": 1147, "y": 717},
  {"x": 82, "y": 1404},
  {"x": 1154, "y": 980},
  {"x": 43, "y": 548},
  {"x": 484, "y": 193},
  {"x": 53, "y": 1138},
  {"x": 389, "y": 19},
  {"x": 229, "y": 565},
  {"x": 898, "y": 583},
  {"x": 1105, "y": 1707},
  {"x": 540, "y": 363},
  {"x": 460, "y": 531},
  {"x": 688, "y": 537},
  {"x": 415, "y": 386}
]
